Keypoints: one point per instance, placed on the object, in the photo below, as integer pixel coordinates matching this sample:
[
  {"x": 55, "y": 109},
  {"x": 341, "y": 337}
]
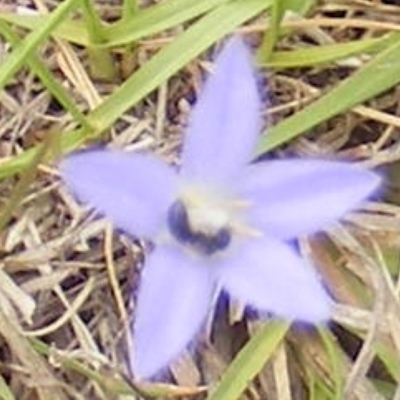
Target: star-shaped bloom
[{"x": 219, "y": 221}]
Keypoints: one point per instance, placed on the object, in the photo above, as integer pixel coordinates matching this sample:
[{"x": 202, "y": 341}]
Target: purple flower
[{"x": 219, "y": 222}]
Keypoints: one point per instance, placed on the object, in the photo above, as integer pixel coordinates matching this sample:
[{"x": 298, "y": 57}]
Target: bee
[{"x": 205, "y": 241}]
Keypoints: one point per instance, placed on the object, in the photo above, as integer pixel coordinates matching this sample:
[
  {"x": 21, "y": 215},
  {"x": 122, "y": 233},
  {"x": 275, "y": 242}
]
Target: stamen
[
  {"x": 178, "y": 222},
  {"x": 208, "y": 243}
]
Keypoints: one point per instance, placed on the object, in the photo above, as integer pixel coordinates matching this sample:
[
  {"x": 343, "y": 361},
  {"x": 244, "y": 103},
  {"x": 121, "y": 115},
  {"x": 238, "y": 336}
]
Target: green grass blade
[
  {"x": 158, "y": 18},
  {"x": 71, "y": 31},
  {"x": 319, "y": 391},
  {"x": 144, "y": 22},
  {"x": 323, "y": 54},
  {"x": 334, "y": 358},
  {"x": 380, "y": 74},
  {"x": 249, "y": 362},
  {"x": 19, "y": 55},
  {"x": 5, "y": 391},
  {"x": 272, "y": 34},
  {"x": 101, "y": 61},
  {"x": 300, "y": 7},
  {"x": 93, "y": 23},
  {"x": 129, "y": 8}
]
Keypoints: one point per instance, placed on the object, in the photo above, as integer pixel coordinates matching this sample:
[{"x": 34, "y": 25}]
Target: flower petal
[
  {"x": 271, "y": 277},
  {"x": 174, "y": 297},
  {"x": 133, "y": 190},
  {"x": 225, "y": 122},
  {"x": 296, "y": 197}
]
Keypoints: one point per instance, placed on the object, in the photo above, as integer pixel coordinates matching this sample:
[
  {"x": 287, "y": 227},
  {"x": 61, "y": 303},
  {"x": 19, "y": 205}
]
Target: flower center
[{"x": 190, "y": 227}]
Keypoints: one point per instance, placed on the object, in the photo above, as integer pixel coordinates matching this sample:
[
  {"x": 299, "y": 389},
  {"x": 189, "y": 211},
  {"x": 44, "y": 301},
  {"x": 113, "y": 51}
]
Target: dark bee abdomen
[{"x": 179, "y": 226}]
